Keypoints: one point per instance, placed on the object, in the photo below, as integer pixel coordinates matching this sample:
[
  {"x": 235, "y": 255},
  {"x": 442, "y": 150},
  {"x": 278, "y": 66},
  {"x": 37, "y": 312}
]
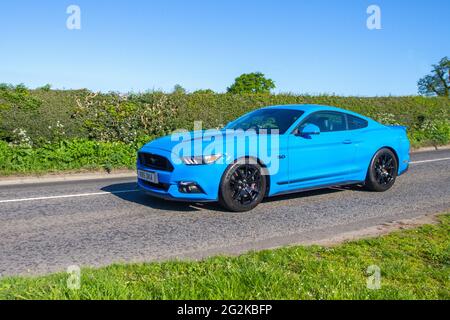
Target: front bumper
[
  {"x": 170, "y": 196},
  {"x": 404, "y": 163},
  {"x": 404, "y": 170},
  {"x": 206, "y": 176}
]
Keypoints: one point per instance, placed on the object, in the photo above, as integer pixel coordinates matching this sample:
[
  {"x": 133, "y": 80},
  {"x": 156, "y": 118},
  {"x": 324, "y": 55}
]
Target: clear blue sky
[{"x": 313, "y": 46}]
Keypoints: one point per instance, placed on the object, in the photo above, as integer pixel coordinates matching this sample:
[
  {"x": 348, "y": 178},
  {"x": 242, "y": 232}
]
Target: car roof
[
  {"x": 309, "y": 108},
  {"x": 305, "y": 107}
]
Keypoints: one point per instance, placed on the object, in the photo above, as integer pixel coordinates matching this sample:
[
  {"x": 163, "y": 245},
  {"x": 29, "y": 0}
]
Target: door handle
[{"x": 347, "y": 141}]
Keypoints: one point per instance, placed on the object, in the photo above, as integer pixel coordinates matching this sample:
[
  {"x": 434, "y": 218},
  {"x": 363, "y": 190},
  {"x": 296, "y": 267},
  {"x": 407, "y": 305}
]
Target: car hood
[{"x": 208, "y": 138}]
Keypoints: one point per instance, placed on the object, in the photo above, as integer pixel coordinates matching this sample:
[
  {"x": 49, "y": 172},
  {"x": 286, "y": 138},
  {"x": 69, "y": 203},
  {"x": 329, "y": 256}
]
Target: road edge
[
  {"x": 367, "y": 232},
  {"x": 65, "y": 177}
]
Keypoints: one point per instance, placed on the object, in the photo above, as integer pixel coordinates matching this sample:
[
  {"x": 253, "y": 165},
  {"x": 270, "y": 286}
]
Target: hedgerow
[
  {"x": 46, "y": 129},
  {"x": 67, "y": 155},
  {"x": 116, "y": 117}
]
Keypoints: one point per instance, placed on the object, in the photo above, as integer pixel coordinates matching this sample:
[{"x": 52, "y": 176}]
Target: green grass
[{"x": 414, "y": 265}]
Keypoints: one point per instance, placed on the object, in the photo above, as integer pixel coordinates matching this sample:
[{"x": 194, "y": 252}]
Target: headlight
[{"x": 196, "y": 160}]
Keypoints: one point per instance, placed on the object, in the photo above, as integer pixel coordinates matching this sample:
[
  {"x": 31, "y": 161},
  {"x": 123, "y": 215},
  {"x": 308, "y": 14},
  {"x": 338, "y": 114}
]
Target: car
[{"x": 272, "y": 151}]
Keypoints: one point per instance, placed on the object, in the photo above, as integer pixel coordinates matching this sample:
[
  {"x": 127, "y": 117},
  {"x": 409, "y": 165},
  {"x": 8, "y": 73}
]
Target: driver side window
[{"x": 326, "y": 121}]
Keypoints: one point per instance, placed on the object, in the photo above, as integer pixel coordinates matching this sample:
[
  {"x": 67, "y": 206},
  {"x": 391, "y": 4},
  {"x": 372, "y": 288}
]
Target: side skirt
[{"x": 323, "y": 186}]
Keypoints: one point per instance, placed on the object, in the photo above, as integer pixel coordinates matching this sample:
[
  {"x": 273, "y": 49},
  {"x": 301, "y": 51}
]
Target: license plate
[{"x": 148, "y": 176}]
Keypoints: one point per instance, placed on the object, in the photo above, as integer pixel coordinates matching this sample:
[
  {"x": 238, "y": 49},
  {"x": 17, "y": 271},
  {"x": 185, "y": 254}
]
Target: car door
[{"x": 324, "y": 158}]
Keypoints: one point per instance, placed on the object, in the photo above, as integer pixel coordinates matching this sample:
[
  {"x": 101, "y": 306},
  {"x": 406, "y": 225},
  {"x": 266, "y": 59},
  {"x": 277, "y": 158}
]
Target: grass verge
[{"x": 414, "y": 264}]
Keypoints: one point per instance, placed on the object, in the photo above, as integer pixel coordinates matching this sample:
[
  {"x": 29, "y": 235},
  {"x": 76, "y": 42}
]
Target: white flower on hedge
[{"x": 21, "y": 137}]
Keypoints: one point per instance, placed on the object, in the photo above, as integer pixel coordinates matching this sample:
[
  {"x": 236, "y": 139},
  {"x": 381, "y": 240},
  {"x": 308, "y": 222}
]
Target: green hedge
[
  {"x": 66, "y": 155},
  {"x": 45, "y": 130},
  {"x": 43, "y": 116}
]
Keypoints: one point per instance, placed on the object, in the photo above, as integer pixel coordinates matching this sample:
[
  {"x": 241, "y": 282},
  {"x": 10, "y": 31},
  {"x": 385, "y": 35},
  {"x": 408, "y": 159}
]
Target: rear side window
[
  {"x": 355, "y": 123},
  {"x": 327, "y": 121}
]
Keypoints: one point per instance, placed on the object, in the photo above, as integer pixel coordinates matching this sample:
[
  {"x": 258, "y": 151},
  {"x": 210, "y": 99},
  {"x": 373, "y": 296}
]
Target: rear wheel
[
  {"x": 382, "y": 171},
  {"x": 242, "y": 186}
]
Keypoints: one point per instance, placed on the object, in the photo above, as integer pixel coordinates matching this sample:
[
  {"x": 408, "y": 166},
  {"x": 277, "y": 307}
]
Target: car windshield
[{"x": 267, "y": 119}]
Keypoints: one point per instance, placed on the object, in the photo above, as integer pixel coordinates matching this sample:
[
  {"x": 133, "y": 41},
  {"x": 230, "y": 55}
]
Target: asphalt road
[{"x": 48, "y": 227}]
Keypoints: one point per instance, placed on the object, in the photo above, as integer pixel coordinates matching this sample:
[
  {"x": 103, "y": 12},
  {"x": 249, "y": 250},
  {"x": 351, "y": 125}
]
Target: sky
[{"x": 305, "y": 46}]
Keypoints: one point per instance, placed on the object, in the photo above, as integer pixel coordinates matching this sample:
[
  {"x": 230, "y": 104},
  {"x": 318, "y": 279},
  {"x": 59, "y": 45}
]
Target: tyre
[
  {"x": 243, "y": 186},
  {"x": 382, "y": 171}
]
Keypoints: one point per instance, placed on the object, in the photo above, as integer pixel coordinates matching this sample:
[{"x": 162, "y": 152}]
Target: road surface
[{"x": 48, "y": 227}]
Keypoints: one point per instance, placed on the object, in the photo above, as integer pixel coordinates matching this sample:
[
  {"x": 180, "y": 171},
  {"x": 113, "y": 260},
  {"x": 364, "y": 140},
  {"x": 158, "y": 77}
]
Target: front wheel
[
  {"x": 382, "y": 171},
  {"x": 242, "y": 186}
]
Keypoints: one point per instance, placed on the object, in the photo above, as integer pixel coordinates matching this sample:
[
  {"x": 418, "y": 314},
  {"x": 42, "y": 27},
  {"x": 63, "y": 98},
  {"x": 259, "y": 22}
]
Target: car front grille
[{"x": 154, "y": 161}]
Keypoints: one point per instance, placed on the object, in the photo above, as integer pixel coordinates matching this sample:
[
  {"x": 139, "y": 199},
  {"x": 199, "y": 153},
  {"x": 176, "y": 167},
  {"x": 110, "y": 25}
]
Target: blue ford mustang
[{"x": 272, "y": 151}]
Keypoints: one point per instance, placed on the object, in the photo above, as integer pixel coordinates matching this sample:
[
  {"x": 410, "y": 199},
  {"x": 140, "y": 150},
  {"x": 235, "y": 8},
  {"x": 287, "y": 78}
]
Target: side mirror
[{"x": 308, "y": 130}]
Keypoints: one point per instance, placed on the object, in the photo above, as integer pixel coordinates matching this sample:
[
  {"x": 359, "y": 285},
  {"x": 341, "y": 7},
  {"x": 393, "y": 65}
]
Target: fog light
[{"x": 189, "y": 187}]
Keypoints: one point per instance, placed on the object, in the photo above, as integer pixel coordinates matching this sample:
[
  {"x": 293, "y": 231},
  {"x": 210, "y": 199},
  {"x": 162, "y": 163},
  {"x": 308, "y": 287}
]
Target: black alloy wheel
[
  {"x": 243, "y": 186},
  {"x": 382, "y": 171}
]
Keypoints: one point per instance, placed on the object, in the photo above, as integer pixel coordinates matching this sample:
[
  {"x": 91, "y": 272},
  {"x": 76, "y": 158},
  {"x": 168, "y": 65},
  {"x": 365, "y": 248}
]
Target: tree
[
  {"x": 255, "y": 82},
  {"x": 46, "y": 87},
  {"x": 438, "y": 82},
  {"x": 204, "y": 91},
  {"x": 178, "y": 89}
]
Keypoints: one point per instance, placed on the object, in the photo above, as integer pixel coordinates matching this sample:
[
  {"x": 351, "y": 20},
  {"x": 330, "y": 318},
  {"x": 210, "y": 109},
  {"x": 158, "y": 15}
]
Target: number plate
[{"x": 148, "y": 176}]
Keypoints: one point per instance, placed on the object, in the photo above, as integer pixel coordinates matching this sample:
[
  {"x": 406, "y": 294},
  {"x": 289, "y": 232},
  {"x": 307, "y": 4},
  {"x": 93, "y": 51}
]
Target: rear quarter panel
[{"x": 376, "y": 136}]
